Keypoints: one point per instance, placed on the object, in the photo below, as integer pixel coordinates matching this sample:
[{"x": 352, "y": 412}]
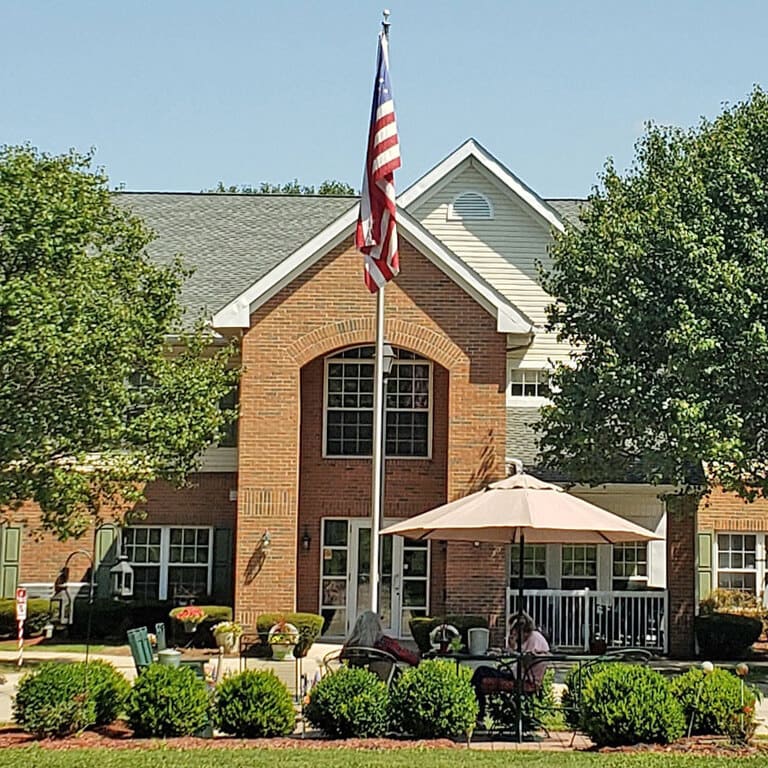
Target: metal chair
[{"x": 384, "y": 665}]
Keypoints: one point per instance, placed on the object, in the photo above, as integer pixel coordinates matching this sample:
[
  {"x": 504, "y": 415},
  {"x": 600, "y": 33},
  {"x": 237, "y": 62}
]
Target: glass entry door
[{"x": 345, "y": 577}]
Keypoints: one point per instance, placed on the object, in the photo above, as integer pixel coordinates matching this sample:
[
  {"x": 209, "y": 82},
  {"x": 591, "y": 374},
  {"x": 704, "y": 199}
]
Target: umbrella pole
[{"x": 520, "y": 598}]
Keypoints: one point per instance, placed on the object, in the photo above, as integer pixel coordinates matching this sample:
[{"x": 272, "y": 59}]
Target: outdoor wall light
[
  {"x": 122, "y": 578},
  {"x": 266, "y": 540},
  {"x": 388, "y": 359},
  {"x": 306, "y": 540}
]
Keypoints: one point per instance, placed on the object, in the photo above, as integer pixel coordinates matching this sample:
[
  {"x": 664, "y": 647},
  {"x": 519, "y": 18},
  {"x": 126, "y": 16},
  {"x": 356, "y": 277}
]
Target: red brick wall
[
  {"x": 204, "y": 502},
  {"x": 325, "y": 309},
  {"x": 681, "y": 574},
  {"x": 721, "y": 511}
]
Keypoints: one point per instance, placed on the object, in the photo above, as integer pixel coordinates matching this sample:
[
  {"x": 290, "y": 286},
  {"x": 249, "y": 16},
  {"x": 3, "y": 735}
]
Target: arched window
[
  {"x": 349, "y": 404},
  {"x": 470, "y": 206}
]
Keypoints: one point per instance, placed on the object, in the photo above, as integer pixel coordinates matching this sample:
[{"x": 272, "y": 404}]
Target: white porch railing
[{"x": 572, "y": 618}]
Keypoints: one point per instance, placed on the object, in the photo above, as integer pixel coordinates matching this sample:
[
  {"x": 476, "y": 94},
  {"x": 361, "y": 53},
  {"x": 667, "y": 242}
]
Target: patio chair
[
  {"x": 141, "y": 649},
  {"x": 384, "y": 665}
]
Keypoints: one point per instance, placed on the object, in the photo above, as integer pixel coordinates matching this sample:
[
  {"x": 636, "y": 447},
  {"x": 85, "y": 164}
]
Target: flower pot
[
  {"x": 225, "y": 640},
  {"x": 190, "y": 627},
  {"x": 282, "y": 651}
]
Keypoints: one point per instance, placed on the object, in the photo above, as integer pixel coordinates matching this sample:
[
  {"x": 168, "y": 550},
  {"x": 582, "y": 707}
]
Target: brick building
[{"x": 465, "y": 317}]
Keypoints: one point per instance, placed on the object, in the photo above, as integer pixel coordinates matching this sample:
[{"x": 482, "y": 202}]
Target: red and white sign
[{"x": 21, "y": 604}]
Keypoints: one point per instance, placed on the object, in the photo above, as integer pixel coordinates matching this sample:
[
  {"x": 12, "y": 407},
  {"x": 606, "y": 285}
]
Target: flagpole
[{"x": 378, "y": 459}]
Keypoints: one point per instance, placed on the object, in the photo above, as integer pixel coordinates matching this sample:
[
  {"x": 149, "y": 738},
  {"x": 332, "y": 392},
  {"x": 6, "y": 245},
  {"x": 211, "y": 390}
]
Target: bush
[
  {"x": 434, "y": 701},
  {"x": 628, "y": 704},
  {"x": 51, "y": 701},
  {"x": 308, "y": 624},
  {"x": 726, "y": 635},
  {"x": 421, "y": 626},
  {"x": 502, "y": 708},
  {"x": 254, "y": 704},
  {"x": 570, "y": 700},
  {"x": 351, "y": 702},
  {"x": 38, "y": 615},
  {"x": 732, "y": 601},
  {"x": 168, "y": 701},
  {"x": 716, "y": 700},
  {"x": 108, "y": 688}
]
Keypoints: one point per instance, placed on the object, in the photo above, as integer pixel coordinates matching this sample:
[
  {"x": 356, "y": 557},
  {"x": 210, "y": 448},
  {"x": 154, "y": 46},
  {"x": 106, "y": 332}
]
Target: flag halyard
[{"x": 376, "y": 233}]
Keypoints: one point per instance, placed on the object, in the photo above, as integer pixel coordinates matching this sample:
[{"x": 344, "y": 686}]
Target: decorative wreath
[{"x": 443, "y": 633}]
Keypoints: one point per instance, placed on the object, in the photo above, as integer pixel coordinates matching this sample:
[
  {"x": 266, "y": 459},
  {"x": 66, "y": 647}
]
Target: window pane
[
  {"x": 415, "y": 562},
  {"x": 415, "y": 592},
  {"x": 335, "y": 533}
]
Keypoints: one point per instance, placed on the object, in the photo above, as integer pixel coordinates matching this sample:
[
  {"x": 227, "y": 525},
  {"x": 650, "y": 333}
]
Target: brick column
[{"x": 681, "y": 573}]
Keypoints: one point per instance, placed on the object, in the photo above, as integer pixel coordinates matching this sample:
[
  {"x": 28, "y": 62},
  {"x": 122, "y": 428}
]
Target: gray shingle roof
[{"x": 230, "y": 240}]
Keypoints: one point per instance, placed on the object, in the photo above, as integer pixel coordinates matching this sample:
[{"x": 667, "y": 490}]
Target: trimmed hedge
[
  {"x": 308, "y": 624},
  {"x": 726, "y": 635},
  {"x": 351, "y": 702},
  {"x": 434, "y": 700},
  {"x": 421, "y": 626},
  {"x": 630, "y": 704},
  {"x": 254, "y": 704},
  {"x": 38, "y": 615}
]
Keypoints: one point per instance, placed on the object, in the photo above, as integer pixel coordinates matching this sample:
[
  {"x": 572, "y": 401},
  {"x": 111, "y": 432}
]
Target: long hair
[{"x": 366, "y": 632}]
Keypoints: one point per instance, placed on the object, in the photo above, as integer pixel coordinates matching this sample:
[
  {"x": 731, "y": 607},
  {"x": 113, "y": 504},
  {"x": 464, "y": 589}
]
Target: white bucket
[{"x": 478, "y": 640}]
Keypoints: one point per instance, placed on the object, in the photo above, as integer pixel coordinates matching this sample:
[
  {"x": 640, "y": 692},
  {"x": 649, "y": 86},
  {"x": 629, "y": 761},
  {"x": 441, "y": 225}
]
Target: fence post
[{"x": 587, "y": 619}]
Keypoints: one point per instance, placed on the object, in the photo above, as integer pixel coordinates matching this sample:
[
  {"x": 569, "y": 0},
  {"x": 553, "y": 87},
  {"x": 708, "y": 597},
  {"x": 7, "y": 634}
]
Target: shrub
[
  {"x": 716, "y": 700},
  {"x": 351, "y": 702},
  {"x": 570, "y": 700},
  {"x": 51, "y": 701},
  {"x": 108, "y": 688},
  {"x": 732, "y": 601},
  {"x": 421, "y": 626},
  {"x": 168, "y": 701},
  {"x": 38, "y": 615},
  {"x": 434, "y": 700},
  {"x": 726, "y": 635},
  {"x": 628, "y": 704},
  {"x": 308, "y": 624},
  {"x": 502, "y": 708},
  {"x": 254, "y": 704}
]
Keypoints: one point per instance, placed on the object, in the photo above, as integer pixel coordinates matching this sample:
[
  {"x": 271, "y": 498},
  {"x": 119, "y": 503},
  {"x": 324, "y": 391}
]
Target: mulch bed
[{"x": 715, "y": 746}]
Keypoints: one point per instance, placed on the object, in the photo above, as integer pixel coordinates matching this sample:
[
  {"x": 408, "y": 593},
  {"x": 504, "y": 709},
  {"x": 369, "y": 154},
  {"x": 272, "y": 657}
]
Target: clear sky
[{"x": 179, "y": 94}]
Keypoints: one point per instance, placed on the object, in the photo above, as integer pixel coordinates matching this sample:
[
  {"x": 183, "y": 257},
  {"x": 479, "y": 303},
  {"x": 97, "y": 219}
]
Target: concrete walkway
[{"x": 290, "y": 673}]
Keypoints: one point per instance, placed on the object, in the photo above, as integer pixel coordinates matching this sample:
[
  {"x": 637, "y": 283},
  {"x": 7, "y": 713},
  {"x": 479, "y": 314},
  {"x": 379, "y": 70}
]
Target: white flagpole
[{"x": 377, "y": 486}]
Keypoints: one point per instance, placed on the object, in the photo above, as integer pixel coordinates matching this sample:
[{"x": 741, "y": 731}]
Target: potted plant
[
  {"x": 226, "y": 634},
  {"x": 282, "y": 638},
  {"x": 190, "y": 615}
]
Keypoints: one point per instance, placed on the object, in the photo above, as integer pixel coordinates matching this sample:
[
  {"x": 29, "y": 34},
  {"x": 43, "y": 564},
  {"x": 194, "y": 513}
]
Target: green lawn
[
  {"x": 299, "y": 758},
  {"x": 12, "y": 645}
]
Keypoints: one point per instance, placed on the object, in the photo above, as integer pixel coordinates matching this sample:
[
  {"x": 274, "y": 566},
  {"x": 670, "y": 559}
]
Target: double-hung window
[
  {"x": 169, "y": 562},
  {"x": 349, "y": 404},
  {"x": 737, "y": 561},
  {"x": 630, "y": 565}
]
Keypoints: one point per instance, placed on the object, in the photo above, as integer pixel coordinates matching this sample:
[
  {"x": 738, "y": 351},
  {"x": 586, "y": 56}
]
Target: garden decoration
[
  {"x": 707, "y": 667},
  {"x": 226, "y": 634},
  {"x": 282, "y": 638},
  {"x": 442, "y": 637}
]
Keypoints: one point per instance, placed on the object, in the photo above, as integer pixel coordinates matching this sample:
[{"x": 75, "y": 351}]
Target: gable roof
[
  {"x": 229, "y": 240},
  {"x": 472, "y": 150},
  {"x": 237, "y": 313}
]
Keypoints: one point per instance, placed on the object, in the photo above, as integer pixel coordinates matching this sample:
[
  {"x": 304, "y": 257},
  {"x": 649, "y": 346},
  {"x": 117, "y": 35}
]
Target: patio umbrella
[{"x": 517, "y": 509}]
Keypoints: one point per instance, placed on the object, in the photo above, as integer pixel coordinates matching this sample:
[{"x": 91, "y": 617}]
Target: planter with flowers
[
  {"x": 282, "y": 638},
  {"x": 226, "y": 634},
  {"x": 191, "y": 616}
]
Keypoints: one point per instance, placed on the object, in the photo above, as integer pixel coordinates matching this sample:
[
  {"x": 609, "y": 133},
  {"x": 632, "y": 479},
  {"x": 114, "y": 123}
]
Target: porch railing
[{"x": 574, "y": 618}]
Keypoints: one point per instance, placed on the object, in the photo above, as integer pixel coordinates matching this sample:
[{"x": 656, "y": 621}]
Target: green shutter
[
  {"x": 10, "y": 554},
  {"x": 105, "y": 549},
  {"x": 704, "y": 563},
  {"x": 223, "y": 568}
]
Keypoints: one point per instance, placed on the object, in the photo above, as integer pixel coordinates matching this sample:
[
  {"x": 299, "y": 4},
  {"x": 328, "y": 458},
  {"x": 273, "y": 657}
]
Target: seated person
[
  {"x": 487, "y": 680},
  {"x": 368, "y": 633}
]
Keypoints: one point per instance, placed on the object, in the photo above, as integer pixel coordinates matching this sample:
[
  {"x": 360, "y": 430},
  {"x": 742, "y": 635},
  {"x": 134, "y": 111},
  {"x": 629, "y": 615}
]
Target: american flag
[{"x": 376, "y": 234}]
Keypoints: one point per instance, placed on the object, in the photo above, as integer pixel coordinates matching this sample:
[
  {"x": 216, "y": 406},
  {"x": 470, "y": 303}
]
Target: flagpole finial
[{"x": 385, "y": 23}]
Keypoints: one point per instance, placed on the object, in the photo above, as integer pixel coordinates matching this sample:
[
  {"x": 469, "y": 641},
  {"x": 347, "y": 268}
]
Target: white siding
[{"x": 504, "y": 250}]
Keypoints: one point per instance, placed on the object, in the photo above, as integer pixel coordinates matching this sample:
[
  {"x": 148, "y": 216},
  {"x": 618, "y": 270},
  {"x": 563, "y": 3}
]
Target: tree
[
  {"x": 663, "y": 290},
  {"x": 330, "y": 187},
  {"x": 85, "y": 315}
]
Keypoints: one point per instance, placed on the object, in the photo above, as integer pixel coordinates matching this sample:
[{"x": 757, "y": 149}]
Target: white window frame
[
  {"x": 759, "y": 567},
  {"x": 513, "y": 372},
  {"x": 582, "y": 560},
  {"x": 165, "y": 551},
  {"x": 333, "y": 358},
  {"x": 639, "y": 547}
]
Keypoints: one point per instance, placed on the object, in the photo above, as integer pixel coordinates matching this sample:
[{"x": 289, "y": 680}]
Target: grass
[
  {"x": 161, "y": 757},
  {"x": 12, "y": 645}
]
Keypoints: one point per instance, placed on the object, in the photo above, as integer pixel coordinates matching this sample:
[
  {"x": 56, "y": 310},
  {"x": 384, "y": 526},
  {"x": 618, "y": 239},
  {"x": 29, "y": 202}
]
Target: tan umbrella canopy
[{"x": 521, "y": 507}]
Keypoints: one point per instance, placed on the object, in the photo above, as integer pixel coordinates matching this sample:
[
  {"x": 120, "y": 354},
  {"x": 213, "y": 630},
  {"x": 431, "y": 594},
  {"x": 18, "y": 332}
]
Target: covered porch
[{"x": 584, "y": 619}]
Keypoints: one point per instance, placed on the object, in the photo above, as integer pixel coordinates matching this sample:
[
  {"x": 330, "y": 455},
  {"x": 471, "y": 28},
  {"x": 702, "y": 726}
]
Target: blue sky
[{"x": 178, "y": 95}]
